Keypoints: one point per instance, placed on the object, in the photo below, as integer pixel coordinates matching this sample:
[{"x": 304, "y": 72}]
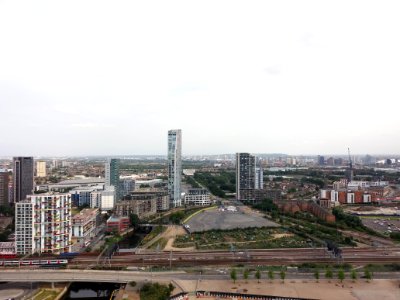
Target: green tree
[
  {"x": 328, "y": 274},
  {"x": 316, "y": 275},
  {"x": 245, "y": 274},
  {"x": 258, "y": 275},
  {"x": 341, "y": 275},
  {"x": 155, "y": 291},
  {"x": 271, "y": 275},
  {"x": 283, "y": 275},
  {"x": 233, "y": 275},
  {"x": 177, "y": 217},
  {"x": 353, "y": 275},
  {"x": 367, "y": 274},
  {"x": 134, "y": 219}
]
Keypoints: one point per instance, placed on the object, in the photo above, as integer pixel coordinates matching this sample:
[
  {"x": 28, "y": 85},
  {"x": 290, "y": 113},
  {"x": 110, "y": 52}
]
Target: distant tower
[
  {"x": 174, "y": 167},
  {"x": 22, "y": 177},
  {"x": 350, "y": 172},
  {"x": 112, "y": 176},
  {"x": 259, "y": 182},
  {"x": 245, "y": 173},
  {"x": 41, "y": 169},
  {"x": 4, "y": 182}
]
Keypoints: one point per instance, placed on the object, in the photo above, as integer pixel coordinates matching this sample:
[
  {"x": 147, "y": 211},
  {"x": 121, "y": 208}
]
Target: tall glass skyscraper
[
  {"x": 22, "y": 177},
  {"x": 112, "y": 176},
  {"x": 174, "y": 167}
]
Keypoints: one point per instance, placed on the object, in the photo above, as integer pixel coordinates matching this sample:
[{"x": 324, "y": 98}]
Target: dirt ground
[
  {"x": 360, "y": 290},
  {"x": 170, "y": 234}
]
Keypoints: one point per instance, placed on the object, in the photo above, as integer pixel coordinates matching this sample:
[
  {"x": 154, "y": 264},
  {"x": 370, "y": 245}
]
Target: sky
[{"x": 112, "y": 77}]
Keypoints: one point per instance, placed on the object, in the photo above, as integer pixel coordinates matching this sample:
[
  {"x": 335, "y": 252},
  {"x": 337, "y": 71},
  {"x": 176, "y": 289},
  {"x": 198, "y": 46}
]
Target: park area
[{"x": 241, "y": 238}]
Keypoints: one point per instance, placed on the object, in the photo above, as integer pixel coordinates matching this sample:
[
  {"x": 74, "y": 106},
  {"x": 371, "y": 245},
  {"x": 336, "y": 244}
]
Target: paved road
[{"x": 126, "y": 276}]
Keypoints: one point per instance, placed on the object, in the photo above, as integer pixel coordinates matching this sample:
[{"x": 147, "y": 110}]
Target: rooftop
[{"x": 85, "y": 213}]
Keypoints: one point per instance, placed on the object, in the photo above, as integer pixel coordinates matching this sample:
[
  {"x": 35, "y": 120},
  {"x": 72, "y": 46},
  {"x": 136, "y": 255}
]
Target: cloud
[
  {"x": 91, "y": 125},
  {"x": 273, "y": 70}
]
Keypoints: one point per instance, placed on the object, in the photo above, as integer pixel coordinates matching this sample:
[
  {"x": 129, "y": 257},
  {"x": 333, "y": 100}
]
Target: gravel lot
[
  {"x": 216, "y": 219},
  {"x": 383, "y": 224}
]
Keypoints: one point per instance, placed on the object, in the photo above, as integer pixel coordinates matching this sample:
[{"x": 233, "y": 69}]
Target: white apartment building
[
  {"x": 197, "y": 197},
  {"x": 104, "y": 200},
  {"x": 43, "y": 224}
]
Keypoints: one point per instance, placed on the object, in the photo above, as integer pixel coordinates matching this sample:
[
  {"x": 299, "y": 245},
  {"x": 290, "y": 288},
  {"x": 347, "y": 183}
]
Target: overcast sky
[{"x": 111, "y": 77}]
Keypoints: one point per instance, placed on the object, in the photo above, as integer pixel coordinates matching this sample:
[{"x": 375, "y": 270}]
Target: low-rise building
[
  {"x": 198, "y": 197},
  {"x": 7, "y": 249},
  {"x": 117, "y": 224},
  {"x": 143, "y": 204},
  {"x": 84, "y": 225}
]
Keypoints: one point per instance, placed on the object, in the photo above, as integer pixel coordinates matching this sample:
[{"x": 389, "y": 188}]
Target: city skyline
[{"x": 261, "y": 78}]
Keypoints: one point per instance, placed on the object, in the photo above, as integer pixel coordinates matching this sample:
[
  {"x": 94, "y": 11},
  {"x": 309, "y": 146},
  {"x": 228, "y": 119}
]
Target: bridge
[{"x": 37, "y": 275}]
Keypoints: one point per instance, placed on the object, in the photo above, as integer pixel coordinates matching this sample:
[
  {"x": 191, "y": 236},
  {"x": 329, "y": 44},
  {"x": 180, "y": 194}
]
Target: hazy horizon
[{"x": 95, "y": 78}]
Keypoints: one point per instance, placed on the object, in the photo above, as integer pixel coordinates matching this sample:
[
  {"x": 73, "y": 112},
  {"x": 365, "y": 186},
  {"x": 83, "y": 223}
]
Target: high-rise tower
[
  {"x": 174, "y": 167},
  {"x": 4, "y": 182},
  {"x": 22, "y": 177},
  {"x": 245, "y": 174},
  {"x": 41, "y": 169},
  {"x": 112, "y": 176}
]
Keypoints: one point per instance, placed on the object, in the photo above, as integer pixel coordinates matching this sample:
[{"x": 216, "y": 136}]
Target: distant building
[
  {"x": 22, "y": 177},
  {"x": 174, "y": 167},
  {"x": 117, "y": 224},
  {"x": 259, "y": 183},
  {"x": 143, "y": 204},
  {"x": 245, "y": 175},
  {"x": 348, "y": 196},
  {"x": 321, "y": 160},
  {"x": 330, "y": 161},
  {"x": 112, "y": 176},
  {"x": 104, "y": 200},
  {"x": 147, "y": 183},
  {"x": 41, "y": 169},
  {"x": 256, "y": 196},
  {"x": 81, "y": 196},
  {"x": 198, "y": 197},
  {"x": 10, "y": 192},
  {"x": 4, "y": 182},
  {"x": 189, "y": 172},
  {"x": 43, "y": 224},
  {"x": 84, "y": 225},
  {"x": 321, "y": 212},
  {"x": 127, "y": 185}
]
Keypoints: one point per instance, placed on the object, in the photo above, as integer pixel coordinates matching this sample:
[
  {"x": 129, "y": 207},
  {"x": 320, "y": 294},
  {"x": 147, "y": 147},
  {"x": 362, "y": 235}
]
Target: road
[{"x": 127, "y": 276}]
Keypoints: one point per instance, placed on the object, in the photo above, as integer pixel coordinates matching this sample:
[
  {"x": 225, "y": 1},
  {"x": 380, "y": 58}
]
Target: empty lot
[{"x": 216, "y": 219}]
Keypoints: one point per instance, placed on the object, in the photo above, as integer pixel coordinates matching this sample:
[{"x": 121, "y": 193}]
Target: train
[{"x": 46, "y": 262}]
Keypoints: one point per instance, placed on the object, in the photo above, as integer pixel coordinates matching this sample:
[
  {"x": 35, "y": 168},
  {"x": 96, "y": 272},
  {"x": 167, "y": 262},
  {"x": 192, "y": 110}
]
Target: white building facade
[
  {"x": 197, "y": 197},
  {"x": 104, "y": 200},
  {"x": 174, "y": 167},
  {"x": 43, "y": 224}
]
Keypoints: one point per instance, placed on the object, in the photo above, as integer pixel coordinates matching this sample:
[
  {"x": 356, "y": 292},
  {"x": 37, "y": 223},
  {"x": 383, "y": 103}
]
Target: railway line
[{"x": 224, "y": 258}]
